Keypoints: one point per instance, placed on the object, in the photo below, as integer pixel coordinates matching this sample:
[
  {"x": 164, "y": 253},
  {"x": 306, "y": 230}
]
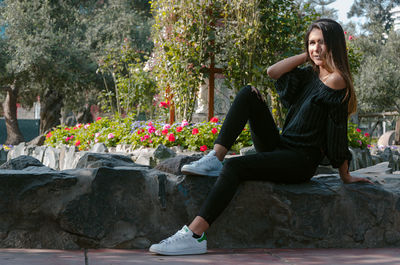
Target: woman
[{"x": 319, "y": 99}]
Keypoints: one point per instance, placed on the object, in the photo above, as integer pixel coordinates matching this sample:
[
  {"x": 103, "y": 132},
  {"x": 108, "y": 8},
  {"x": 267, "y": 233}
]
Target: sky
[{"x": 343, "y": 6}]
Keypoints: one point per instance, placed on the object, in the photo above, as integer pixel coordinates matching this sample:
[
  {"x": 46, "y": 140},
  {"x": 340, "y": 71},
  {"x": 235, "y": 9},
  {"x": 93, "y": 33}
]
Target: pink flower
[
  {"x": 67, "y": 139},
  {"x": 350, "y": 37},
  {"x": 203, "y": 148},
  {"x": 165, "y": 131},
  {"x": 184, "y": 123},
  {"x": 214, "y": 119},
  {"x": 142, "y": 139},
  {"x": 79, "y": 125},
  {"x": 98, "y": 118},
  {"x": 151, "y": 129},
  {"x": 48, "y": 135},
  {"x": 140, "y": 131},
  {"x": 146, "y": 136},
  {"x": 358, "y": 130},
  {"x": 150, "y": 123},
  {"x": 86, "y": 126},
  {"x": 75, "y": 128},
  {"x": 214, "y": 130},
  {"x": 171, "y": 137},
  {"x": 166, "y": 126},
  {"x": 366, "y": 134},
  {"x": 67, "y": 129},
  {"x": 96, "y": 135},
  {"x": 77, "y": 143},
  {"x": 345, "y": 32},
  {"x": 179, "y": 129},
  {"x": 359, "y": 142},
  {"x": 96, "y": 140},
  {"x": 110, "y": 136},
  {"x": 195, "y": 131},
  {"x": 369, "y": 146}
]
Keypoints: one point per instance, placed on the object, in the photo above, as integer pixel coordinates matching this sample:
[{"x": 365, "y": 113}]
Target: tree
[
  {"x": 46, "y": 58},
  {"x": 377, "y": 13},
  {"x": 378, "y": 81}
]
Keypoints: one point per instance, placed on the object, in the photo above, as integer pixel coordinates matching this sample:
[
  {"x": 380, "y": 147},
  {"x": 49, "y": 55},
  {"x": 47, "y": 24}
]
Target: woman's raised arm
[{"x": 286, "y": 65}]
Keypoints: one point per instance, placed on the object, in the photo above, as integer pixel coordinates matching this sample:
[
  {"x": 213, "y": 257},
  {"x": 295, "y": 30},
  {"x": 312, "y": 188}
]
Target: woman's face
[{"x": 316, "y": 47}]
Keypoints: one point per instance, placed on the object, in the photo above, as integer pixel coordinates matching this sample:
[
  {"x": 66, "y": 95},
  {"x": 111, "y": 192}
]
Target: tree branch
[{"x": 5, "y": 88}]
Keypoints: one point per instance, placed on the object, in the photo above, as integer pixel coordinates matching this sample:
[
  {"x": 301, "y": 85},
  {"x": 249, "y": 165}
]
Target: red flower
[
  {"x": 165, "y": 131},
  {"x": 350, "y": 37},
  {"x": 366, "y": 134},
  {"x": 163, "y": 105},
  {"x": 67, "y": 129},
  {"x": 214, "y": 119},
  {"x": 203, "y": 148},
  {"x": 171, "y": 137},
  {"x": 358, "y": 130},
  {"x": 179, "y": 129},
  {"x": 214, "y": 130},
  {"x": 77, "y": 143},
  {"x": 75, "y": 128},
  {"x": 195, "y": 131},
  {"x": 49, "y": 135},
  {"x": 98, "y": 118},
  {"x": 140, "y": 131}
]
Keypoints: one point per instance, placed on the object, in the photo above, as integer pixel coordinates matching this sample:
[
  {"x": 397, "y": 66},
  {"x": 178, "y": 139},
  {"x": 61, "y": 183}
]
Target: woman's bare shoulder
[{"x": 335, "y": 81}]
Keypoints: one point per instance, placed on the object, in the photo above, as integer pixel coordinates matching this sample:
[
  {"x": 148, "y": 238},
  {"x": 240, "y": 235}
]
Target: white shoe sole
[
  {"x": 188, "y": 251},
  {"x": 188, "y": 170}
]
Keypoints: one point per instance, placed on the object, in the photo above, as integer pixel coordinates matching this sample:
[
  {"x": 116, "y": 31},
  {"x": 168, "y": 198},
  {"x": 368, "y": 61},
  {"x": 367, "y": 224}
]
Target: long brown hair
[{"x": 336, "y": 57}]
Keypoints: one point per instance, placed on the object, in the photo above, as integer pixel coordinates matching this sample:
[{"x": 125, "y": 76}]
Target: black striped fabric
[{"x": 317, "y": 115}]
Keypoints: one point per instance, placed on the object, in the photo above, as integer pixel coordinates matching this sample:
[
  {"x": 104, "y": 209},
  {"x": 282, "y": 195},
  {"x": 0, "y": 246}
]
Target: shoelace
[
  {"x": 203, "y": 159},
  {"x": 178, "y": 235}
]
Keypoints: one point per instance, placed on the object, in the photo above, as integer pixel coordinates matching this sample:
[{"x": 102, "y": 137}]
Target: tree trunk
[
  {"x": 14, "y": 135},
  {"x": 50, "y": 110},
  {"x": 397, "y": 134}
]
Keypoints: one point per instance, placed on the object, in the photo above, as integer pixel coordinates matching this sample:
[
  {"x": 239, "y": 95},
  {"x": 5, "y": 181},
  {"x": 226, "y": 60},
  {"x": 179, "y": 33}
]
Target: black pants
[{"x": 272, "y": 162}]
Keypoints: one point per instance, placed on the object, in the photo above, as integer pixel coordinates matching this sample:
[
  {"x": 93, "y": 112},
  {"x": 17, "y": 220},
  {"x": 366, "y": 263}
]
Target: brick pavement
[{"x": 382, "y": 256}]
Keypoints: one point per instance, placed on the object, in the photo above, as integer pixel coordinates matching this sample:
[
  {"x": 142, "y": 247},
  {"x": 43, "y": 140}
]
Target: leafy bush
[{"x": 197, "y": 136}]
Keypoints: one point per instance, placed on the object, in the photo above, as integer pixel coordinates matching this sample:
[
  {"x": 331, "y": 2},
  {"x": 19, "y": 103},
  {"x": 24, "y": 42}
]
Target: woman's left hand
[{"x": 347, "y": 179}]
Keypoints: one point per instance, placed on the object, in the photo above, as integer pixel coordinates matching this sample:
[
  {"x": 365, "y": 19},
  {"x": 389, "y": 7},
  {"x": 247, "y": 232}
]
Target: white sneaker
[
  {"x": 208, "y": 165},
  {"x": 182, "y": 243}
]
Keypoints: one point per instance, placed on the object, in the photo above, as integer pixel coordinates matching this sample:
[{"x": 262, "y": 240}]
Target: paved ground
[{"x": 383, "y": 256}]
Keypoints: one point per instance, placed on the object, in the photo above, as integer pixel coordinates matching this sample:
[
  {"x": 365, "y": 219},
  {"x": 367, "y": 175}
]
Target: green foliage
[
  {"x": 244, "y": 36},
  {"x": 183, "y": 36},
  {"x": 199, "y": 136},
  {"x": 357, "y": 139},
  {"x": 134, "y": 87},
  {"x": 378, "y": 80}
]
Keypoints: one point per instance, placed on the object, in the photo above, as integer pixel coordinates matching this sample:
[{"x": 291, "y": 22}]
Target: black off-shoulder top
[{"x": 317, "y": 115}]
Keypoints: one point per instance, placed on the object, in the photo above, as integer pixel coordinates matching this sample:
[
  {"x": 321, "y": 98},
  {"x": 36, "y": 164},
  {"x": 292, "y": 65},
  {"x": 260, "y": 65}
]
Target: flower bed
[{"x": 196, "y": 137}]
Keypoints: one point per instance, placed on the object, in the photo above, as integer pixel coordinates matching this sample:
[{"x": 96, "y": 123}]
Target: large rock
[
  {"x": 174, "y": 165},
  {"x": 96, "y": 160},
  {"x": 130, "y": 207},
  {"x": 21, "y": 162}
]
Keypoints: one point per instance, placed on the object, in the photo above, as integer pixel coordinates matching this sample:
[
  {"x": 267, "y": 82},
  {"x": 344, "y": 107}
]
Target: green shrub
[{"x": 357, "y": 138}]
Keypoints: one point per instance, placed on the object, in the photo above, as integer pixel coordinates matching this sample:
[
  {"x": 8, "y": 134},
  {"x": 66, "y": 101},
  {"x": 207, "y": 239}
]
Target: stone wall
[
  {"x": 126, "y": 205},
  {"x": 67, "y": 157}
]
